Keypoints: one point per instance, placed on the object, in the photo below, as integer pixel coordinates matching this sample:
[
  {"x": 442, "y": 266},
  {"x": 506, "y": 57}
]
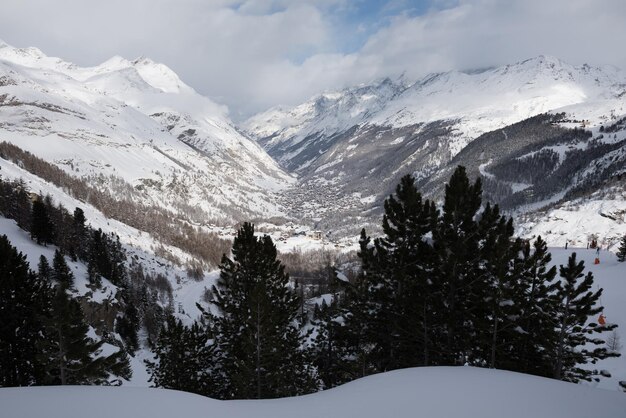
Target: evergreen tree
[
  {"x": 78, "y": 245},
  {"x": 456, "y": 242},
  {"x": 127, "y": 326},
  {"x": 183, "y": 359},
  {"x": 41, "y": 228},
  {"x": 355, "y": 315},
  {"x": 537, "y": 310},
  {"x": 397, "y": 269},
  {"x": 330, "y": 353},
  {"x": 106, "y": 259},
  {"x": 258, "y": 340},
  {"x": 61, "y": 272},
  {"x": 621, "y": 252},
  {"x": 70, "y": 355},
  {"x": 495, "y": 312},
  {"x": 24, "y": 304},
  {"x": 44, "y": 269},
  {"x": 576, "y": 303}
]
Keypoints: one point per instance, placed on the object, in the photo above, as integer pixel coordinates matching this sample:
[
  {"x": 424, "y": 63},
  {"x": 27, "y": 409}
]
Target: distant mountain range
[
  {"x": 356, "y": 143},
  {"x": 540, "y": 132}
]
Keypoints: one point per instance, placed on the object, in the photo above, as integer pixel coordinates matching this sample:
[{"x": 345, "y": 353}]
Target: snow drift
[{"x": 432, "y": 392}]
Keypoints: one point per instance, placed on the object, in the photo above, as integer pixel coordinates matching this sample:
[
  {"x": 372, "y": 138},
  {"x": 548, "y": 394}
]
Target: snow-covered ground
[
  {"x": 609, "y": 275},
  {"x": 442, "y": 392},
  {"x": 577, "y": 222}
]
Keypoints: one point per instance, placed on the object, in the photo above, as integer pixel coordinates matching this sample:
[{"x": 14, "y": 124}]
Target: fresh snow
[{"x": 433, "y": 392}]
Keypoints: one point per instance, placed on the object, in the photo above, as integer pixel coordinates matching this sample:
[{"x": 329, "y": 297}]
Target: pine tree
[
  {"x": 24, "y": 304},
  {"x": 258, "y": 342},
  {"x": 70, "y": 355},
  {"x": 41, "y": 227},
  {"x": 330, "y": 353},
  {"x": 44, "y": 269},
  {"x": 576, "y": 303},
  {"x": 127, "y": 326},
  {"x": 494, "y": 310},
  {"x": 78, "y": 246},
  {"x": 355, "y": 314},
  {"x": 61, "y": 272},
  {"x": 106, "y": 259},
  {"x": 183, "y": 359},
  {"x": 397, "y": 268},
  {"x": 621, "y": 252},
  {"x": 456, "y": 242},
  {"x": 537, "y": 310}
]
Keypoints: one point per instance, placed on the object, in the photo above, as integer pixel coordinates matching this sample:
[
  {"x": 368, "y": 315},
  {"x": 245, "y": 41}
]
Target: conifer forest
[{"x": 441, "y": 286}]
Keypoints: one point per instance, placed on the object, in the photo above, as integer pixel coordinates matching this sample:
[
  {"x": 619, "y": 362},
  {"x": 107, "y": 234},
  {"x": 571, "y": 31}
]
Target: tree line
[
  {"x": 122, "y": 203},
  {"x": 49, "y": 304},
  {"x": 44, "y": 338},
  {"x": 441, "y": 286}
]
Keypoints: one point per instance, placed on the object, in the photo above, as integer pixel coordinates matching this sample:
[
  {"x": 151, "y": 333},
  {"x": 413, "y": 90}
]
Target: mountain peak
[{"x": 114, "y": 63}]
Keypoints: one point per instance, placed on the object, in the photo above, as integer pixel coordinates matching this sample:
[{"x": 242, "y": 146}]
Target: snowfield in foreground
[{"x": 429, "y": 391}]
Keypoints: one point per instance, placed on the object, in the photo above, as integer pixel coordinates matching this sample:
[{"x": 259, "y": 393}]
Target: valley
[{"x": 153, "y": 162}]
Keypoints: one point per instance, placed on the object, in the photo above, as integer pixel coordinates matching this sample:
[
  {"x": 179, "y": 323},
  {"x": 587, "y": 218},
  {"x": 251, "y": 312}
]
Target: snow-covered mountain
[
  {"x": 477, "y": 102},
  {"x": 137, "y": 123},
  {"x": 356, "y": 143},
  {"x": 136, "y": 120}
]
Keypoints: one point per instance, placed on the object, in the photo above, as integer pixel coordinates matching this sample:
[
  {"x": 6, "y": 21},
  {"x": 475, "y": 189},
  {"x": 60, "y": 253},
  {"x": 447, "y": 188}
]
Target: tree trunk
[
  {"x": 494, "y": 340},
  {"x": 258, "y": 350},
  {"x": 425, "y": 329},
  {"x": 558, "y": 368},
  {"x": 62, "y": 359}
]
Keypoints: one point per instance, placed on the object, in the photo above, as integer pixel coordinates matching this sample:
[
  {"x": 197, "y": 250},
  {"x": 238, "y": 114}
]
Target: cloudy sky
[{"x": 253, "y": 54}]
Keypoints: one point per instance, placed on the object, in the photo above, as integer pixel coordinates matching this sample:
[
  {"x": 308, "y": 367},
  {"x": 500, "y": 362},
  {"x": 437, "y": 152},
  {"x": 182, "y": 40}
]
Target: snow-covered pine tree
[
  {"x": 537, "y": 310},
  {"x": 576, "y": 304},
  {"x": 259, "y": 341},
  {"x": 24, "y": 304},
  {"x": 329, "y": 349},
  {"x": 70, "y": 355},
  {"x": 495, "y": 319},
  {"x": 355, "y": 315},
  {"x": 621, "y": 252},
  {"x": 183, "y": 359}
]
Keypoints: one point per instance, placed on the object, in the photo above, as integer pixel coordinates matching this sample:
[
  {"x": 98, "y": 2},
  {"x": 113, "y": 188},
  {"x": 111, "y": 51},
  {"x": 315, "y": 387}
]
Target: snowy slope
[
  {"x": 477, "y": 102},
  {"x": 487, "y": 100},
  {"x": 600, "y": 216},
  {"x": 445, "y": 392},
  {"x": 286, "y": 133},
  {"x": 609, "y": 275},
  {"x": 135, "y": 120}
]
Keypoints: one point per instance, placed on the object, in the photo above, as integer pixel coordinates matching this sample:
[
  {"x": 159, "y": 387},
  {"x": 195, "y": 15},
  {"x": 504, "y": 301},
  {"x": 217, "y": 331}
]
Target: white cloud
[{"x": 257, "y": 53}]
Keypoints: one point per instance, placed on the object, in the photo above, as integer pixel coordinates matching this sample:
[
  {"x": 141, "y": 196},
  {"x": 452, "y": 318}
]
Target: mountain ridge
[{"x": 138, "y": 121}]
